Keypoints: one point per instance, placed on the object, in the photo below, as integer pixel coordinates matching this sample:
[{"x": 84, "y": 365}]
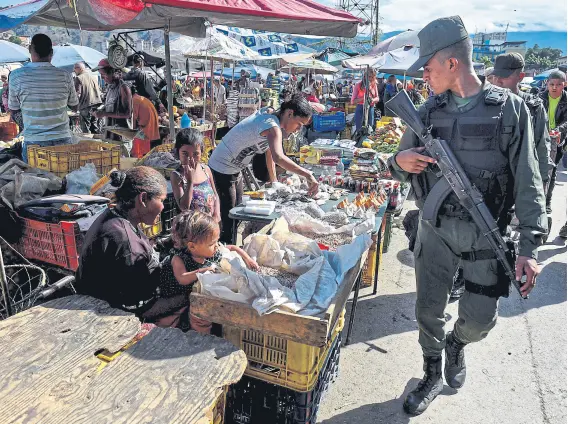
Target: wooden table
[
  {"x": 311, "y": 330},
  {"x": 237, "y": 214},
  {"x": 50, "y": 373}
]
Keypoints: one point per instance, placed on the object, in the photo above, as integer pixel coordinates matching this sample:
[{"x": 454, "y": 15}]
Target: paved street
[{"x": 517, "y": 375}]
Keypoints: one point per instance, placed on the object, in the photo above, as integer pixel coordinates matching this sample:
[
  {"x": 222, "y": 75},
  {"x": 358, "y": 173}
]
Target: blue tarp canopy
[{"x": 544, "y": 75}]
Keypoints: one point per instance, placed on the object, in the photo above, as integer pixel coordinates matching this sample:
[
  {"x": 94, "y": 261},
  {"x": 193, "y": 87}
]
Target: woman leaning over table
[{"x": 260, "y": 133}]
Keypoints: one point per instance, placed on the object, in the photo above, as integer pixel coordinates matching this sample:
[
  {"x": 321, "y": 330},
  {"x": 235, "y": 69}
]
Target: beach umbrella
[
  {"x": 67, "y": 55},
  {"x": 404, "y": 39},
  {"x": 11, "y": 52},
  {"x": 313, "y": 66}
]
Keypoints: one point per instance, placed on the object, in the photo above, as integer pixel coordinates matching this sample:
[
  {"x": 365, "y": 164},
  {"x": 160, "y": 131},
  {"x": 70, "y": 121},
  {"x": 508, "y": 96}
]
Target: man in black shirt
[{"x": 142, "y": 81}]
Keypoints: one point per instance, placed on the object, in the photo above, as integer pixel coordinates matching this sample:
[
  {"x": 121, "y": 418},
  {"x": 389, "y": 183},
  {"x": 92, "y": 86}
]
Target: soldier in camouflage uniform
[
  {"x": 508, "y": 73},
  {"x": 490, "y": 133}
]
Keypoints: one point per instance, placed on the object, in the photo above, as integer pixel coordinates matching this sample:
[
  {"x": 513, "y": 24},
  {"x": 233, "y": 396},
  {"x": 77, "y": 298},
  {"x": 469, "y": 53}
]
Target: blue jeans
[
  {"x": 57, "y": 142},
  {"x": 359, "y": 117}
]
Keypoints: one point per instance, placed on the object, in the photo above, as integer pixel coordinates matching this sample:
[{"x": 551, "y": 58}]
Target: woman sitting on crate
[
  {"x": 117, "y": 262},
  {"x": 192, "y": 183},
  {"x": 261, "y": 132},
  {"x": 369, "y": 85}
]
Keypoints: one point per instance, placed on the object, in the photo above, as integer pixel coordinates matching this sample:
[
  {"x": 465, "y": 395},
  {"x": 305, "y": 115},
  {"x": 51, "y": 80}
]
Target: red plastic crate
[{"x": 57, "y": 244}]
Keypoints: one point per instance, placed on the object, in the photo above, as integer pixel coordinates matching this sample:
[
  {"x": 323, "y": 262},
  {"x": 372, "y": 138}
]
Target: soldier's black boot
[
  {"x": 455, "y": 369},
  {"x": 429, "y": 387}
]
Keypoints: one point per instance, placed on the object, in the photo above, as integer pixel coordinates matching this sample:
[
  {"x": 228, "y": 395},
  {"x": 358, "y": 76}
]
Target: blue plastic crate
[{"x": 329, "y": 122}]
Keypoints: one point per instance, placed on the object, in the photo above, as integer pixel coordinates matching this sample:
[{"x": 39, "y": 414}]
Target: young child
[
  {"x": 196, "y": 240},
  {"x": 192, "y": 183}
]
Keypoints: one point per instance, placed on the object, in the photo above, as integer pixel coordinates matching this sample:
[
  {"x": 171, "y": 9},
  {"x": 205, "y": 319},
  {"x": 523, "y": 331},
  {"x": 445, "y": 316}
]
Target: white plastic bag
[{"x": 81, "y": 180}]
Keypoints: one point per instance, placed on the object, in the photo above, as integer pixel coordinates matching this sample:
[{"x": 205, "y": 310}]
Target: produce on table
[
  {"x": 386, "y": 138},
  {"x": 287, "y": 279},
  {"x": 333, "y": 241}
]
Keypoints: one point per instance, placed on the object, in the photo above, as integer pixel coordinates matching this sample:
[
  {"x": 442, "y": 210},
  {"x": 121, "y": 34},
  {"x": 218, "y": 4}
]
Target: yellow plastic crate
[
  {"x": 217, "y": 413},
  {"x": 279, "y": 361},
  {"x": 168, "y": 147},
  {"x": 61, "y": 160},
  {"x": 349, "y": 108},
  {"x": 152, "y": 231},
  {"x": 368, "y": 272}
]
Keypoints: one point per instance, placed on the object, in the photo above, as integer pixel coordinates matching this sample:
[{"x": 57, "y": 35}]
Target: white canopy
[
  {"x": 215, "y": 45},
  {"x": 314, "y": 66},
  {"x": 11, "y": 52},
  {"x": 404, "y": 39},
  {"x": 68, "y": 55},
  {"x": 394, "y": 62}
]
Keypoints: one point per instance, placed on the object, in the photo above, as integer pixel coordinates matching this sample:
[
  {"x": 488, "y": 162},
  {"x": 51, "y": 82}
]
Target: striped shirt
[{"x": 42, "y": 92}]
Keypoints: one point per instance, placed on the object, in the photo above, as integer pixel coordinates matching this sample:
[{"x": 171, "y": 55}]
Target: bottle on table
[{"x": 185, "y": 121}]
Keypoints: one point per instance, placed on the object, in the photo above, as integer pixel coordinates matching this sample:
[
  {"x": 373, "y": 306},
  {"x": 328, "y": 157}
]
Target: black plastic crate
[
  {"x": 168, "y": 214},
  {"x": 253, "y": 401}
]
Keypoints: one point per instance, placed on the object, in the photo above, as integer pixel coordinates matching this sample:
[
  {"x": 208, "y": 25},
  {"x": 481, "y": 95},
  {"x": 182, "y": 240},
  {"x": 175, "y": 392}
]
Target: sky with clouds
[{"x": 483, "y": 15}]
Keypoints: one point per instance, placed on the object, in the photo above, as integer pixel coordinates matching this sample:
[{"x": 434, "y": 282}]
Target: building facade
[{"x": 493, "y": 44}]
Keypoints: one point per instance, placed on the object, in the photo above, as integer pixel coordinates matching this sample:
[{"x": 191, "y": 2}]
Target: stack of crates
[
  {"x": 284, "y": 380},
  {"x": 63, "y": 159}
]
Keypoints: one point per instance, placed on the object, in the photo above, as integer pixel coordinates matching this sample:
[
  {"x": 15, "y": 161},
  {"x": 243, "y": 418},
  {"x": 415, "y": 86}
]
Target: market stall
[{"x": 51, "y": 231}]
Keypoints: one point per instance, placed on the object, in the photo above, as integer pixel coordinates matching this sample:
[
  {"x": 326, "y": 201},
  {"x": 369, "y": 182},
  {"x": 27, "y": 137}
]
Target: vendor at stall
[
  {"x": 117, "y": 263},
  {"x": 118, "y": 101},
  {"x": 142, "y": 81},
  {"x": 358, "y": 98},
  {"x": 145, "y": 118},
  {"x": 260, "y": 133}
]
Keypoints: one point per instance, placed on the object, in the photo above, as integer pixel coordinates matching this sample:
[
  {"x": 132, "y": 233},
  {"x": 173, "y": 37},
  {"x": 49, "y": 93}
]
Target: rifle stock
[{"x": 468, "y": 195}]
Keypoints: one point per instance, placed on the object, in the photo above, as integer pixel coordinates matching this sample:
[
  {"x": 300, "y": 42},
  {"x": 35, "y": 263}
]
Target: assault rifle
[{"x": 456, "y": 180}]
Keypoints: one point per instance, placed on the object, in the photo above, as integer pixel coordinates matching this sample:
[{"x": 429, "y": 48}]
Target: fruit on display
[{"x": 386, "y": 138}]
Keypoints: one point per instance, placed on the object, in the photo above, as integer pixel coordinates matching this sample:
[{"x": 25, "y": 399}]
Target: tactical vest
[
  {"x": 533, "y": 103},
  {"x": 476, "y": 138}
]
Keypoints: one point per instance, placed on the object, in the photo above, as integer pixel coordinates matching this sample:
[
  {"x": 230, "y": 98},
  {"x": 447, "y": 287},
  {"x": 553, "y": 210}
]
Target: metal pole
[
  {"x": 4, "y": 286},
  {"x": 169, "y": 81},
  {"x": 233, "y": 80},
  {"x": 205, "y": 87},
  {"x": 212, "y": 94},
  {"x": 376, "y": 35}
]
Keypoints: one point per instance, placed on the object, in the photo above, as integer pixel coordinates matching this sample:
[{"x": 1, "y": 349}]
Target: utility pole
[{"x": 367, "y": 11}]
